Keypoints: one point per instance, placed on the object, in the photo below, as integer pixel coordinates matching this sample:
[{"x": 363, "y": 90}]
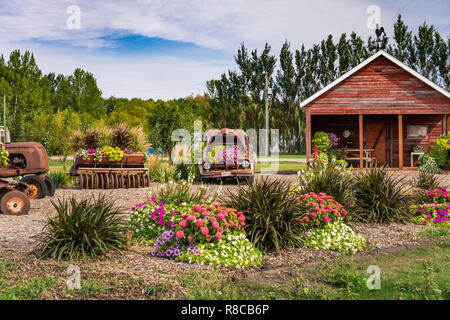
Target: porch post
[
  {"x": 308, "y": 134},
  {"x": 361, "y": 142},
  {"x": 400, "y": 141}
]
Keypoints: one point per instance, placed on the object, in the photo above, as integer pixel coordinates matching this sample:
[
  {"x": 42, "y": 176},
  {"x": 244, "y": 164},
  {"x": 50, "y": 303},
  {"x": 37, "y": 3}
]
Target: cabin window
[{"x": 416, "y": 132}]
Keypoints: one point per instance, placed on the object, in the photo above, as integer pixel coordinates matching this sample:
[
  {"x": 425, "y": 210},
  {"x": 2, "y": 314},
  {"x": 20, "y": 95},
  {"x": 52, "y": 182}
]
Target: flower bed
[
  {"x": 324, "y": 225},
  {"x": 150, "y": 220},
  {"x": 434, "y": 214},
  {"x": 335, "y": 236},
  {"x": 204, "y": 234}
]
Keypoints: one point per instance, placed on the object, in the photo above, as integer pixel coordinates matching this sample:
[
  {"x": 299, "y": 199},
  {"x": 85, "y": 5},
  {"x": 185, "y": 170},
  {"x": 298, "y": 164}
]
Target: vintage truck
[{"x": 227, "y": 154}]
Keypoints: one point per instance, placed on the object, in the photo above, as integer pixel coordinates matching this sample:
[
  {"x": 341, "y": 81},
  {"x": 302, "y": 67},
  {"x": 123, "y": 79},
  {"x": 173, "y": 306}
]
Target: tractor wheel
[
  {"x": 51, "y": 187},
  {"x": 37, "y": 187},
  {"x": 15, "y": 203}
]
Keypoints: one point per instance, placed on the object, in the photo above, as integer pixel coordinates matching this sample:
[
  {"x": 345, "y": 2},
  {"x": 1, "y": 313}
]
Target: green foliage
[
  {"x": 381, "y": 197},
  {"x": 4, "y": 156},
  {"x": 427, "y": 181},
  {"x": 342, "y": 274},
  {"x": 272, "y": 213},
  {"x": 428, "y": 164},
  {"x": 330, "y": 178},
  {"x": 322, "y": 140},
  {"x": 183, "y": 191},
  {"x": 88, "y": 228},
  {"x": 439, "y": 151},
  {"x": 60, "y": 177}
]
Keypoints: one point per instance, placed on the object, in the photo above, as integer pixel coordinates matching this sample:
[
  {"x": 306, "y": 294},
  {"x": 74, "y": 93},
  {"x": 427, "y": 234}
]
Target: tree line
[
  {"x": 237, "y": 97},
  {"x": 47, "y": 107}
]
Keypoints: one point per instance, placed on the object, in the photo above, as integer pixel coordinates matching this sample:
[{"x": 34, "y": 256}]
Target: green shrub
[
  {"x": 382, "y": 197},
  {"x": 61, "y": 178},
  {"x": 184, "y": 170},
  {"x": 182, "y": 191},
  {"x": 427, "y": 181},
  {"x": 428, "y": 164},
  {"x": 85, "y": 228},
  {"x": 439, "y": 151},
  {"x": 322, "y": 140},
  {"x": 331, "y": 178},
  {"x": 272, "y": 213}
]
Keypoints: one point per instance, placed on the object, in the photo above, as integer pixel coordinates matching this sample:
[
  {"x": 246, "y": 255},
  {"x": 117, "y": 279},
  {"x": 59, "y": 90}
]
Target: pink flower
[
  {"x": 344, "y": 212},
  {"x": 314, "y": 215},
  {"x": 215, "y": 224},
  {"x": 317, "y": 209},
  {"x": 191, "y": 238},
  {"x": 197, "y": 207},
  {"x": 199, "y": 223},
  {"x": 218, "y": 235},
  {"x": 220, "y": 216},
  {"x": 306, "y": 218},
  {"x": 329, "y": 208},
  {"x": 241, "y": 219},
  {"x": 326, "y": 219},
  {"x": 180, "y": 234},
  {"x": 204, "y": 230},
  {"x": 183, "y": 223},
  {"x": 190, "y": 218}
]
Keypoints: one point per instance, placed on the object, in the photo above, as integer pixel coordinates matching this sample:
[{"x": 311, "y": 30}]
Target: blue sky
[{"x": 168, "y": 49}]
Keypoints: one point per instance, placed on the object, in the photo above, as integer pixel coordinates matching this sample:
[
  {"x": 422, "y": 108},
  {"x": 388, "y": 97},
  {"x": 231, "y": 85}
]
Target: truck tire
[
  {"x": 51, "y": 187},
  {"x": 14, "y": 203},
  {"x": 38, "y": 188}
]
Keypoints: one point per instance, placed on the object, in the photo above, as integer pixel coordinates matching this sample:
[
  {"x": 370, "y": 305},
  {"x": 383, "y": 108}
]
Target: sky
[{"x": 165, "y": 49}]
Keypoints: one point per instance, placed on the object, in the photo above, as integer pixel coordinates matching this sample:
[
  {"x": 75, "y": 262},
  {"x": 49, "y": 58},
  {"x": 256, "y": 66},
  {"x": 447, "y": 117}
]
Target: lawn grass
[
  {"x": 286, "y": 156},
  {"x": 419, "y": 272},
  {"x": 283, "y": 166}
]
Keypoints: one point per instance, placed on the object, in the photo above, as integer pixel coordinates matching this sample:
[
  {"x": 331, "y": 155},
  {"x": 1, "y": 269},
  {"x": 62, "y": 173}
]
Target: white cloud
[{"x": 214, "y": 24}]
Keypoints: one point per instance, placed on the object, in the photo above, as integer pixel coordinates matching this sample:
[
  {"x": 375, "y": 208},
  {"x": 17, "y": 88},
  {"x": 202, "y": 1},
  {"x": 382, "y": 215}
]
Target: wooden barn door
[{"x": 378, "y": 138}]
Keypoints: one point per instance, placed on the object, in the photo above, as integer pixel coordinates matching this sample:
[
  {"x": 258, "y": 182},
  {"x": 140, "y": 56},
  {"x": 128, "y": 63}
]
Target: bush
[
  {"x": 439, "y": 151},
  {"x": 381, "y": 197},
  {"x": 61, "y": 178},
  {"x": 335, "y": 236},
  {"x": 427, "y": 181},
  {"x": 428, "y": 164},
  {"x": 210, "y": 235},
  {"x": 272, "y": 215},
  {"x": 331, "y": 178},
  {"x": 138, "y": 140},
  {"x": 121, "y": 136},
  {"x": 86, "y": 228},
  {"x": 320, "y": 210},
  {"x": 150, "y": 219},
  {"x": 435, "y": 214},
  {"x": 180, "y": 192},
  {"x": 322, "y": 140}
]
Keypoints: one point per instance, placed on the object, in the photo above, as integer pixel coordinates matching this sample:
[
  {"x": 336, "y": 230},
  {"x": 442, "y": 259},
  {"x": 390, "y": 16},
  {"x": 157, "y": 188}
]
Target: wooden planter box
[{"x": 128, "y": 159}]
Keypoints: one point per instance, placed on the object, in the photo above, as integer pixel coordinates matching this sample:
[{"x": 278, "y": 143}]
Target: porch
[{"x": 374, "y": 139}]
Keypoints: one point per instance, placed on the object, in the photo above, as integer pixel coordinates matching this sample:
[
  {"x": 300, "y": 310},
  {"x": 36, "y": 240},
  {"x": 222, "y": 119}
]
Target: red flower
[
  {"x": 314, "y": 215},
  {"x": 180, "y": 234},
  {"x": 183, "y": 224},
  {"x": 306, "y": 218},
  {"x": 199, "y": 223},
  {"x": 344, "y": 212},
  {"x": 326, "y": 219}
]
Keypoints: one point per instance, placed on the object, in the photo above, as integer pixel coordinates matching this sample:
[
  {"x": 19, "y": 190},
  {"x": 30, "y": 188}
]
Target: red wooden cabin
[{"x": 385, "y": 109}]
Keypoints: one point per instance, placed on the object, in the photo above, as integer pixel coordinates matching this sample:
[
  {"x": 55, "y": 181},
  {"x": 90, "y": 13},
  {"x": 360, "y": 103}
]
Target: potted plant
[{"x": 417, "y": 148}]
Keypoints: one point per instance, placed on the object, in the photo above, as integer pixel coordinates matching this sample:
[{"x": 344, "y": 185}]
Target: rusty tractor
[
  {"x": 130, "y": 172},
  {"x": 29, "y": 161}
]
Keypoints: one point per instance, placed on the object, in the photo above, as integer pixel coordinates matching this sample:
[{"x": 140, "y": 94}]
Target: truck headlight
[
  {"x": 207, "y": 166},
  {"x": 245, "y": 164}
]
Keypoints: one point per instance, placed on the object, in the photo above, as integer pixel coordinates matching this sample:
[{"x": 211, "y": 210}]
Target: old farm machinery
[
  {"x": 29, "y": 161},
  {"x": 129, "y": 172}
]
